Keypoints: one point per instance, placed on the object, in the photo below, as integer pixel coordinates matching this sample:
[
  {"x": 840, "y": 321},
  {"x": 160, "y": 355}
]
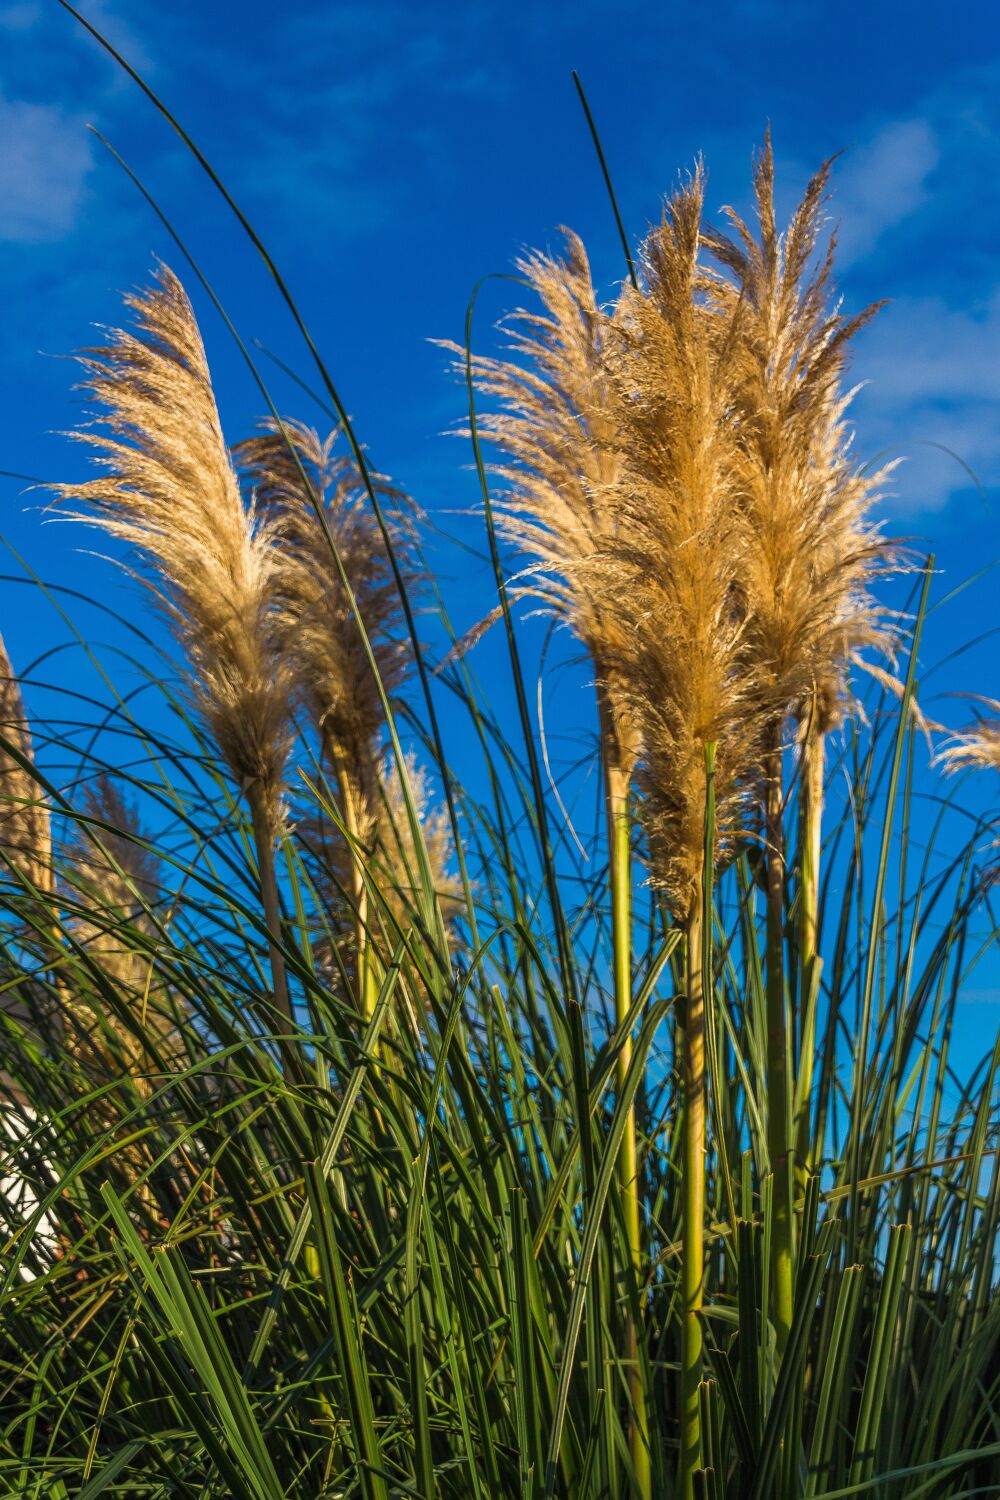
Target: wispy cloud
[
  {"x": 929, "y": 349},
  {"x": 934, "y": 384},
  {"x": 916, "y": 223},
  {"x": 884, "y": 182},
  {"x": 44, "y": 166}
]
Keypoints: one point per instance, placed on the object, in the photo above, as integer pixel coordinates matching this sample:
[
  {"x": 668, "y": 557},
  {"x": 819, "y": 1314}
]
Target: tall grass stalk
[
  {"x": 812, "y": 772},
  {"x": 359, "y": 888},
  {"x": 778, "y": 1073},
  {"x": 697, "y": 967},
  {"x": 264, "y": 845},
  {"x": 619, "y": 835}
]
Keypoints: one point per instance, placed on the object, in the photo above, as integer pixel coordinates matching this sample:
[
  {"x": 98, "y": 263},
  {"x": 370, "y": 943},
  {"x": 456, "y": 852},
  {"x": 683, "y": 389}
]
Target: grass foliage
[{"x": 384, "y": 1250}]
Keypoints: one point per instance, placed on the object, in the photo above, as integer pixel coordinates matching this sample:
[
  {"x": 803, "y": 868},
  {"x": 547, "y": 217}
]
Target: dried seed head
[
  {"x": 977, "y": 747},
  {"x": 115, "y": 882},
  {"x": 556, "y": 433},
  {"x": 25, "y": 834},
  {"x": 674, "y": 569},
  {"x": 388, "y": 853},
  {"x": 168, "y": 489},
  {"x": 291, "y": 473},
  {"x": 813, "y": 549},
  {"x": 396, "y": 850}
]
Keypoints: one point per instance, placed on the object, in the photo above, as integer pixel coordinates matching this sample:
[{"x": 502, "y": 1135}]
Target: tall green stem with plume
[
  {"x": 672, "y": 573},
  {"x": 264, "y": 844},
  {"x": 810, "y": 552}
]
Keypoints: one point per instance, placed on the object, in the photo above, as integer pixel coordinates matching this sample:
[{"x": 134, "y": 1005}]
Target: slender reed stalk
[
  {"x": 264, "y": 845},
  {"x": 617, "y": 779},
  {"x": 25, "y": 833},
  {"x": 813, "y": 746},
  {"x": 778, "y": 1140},
  {"x": 693, "y": 1203},
  {"x": 694, "y": 1103}
]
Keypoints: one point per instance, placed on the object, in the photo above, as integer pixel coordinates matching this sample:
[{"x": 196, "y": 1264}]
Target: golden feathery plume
[
  {"x": 976, "y": 748},
  {"x": 556, "y": 432},
  {"x": 168, "y": 488},
  {"x": 813, "y": 549},
  {"x": 390, "y": 854},
  {"x": 25, "y": 834},
  {"x": 292, "y": 472},
  {"x": 396, "y": 852},
  {"x": 319, "y": 628},
  {"x": 399, "y": 884},
  {"x": 676, "y": 568},
  {"x": 25, "y": 827}
]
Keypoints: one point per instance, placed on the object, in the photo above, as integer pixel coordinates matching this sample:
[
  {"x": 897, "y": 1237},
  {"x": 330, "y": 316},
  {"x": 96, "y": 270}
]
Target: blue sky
[{"x": 391, "y": 154}]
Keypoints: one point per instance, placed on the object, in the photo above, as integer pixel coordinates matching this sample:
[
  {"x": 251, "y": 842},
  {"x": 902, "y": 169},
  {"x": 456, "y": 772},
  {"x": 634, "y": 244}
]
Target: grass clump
[{"x": 363, "y": 1143}]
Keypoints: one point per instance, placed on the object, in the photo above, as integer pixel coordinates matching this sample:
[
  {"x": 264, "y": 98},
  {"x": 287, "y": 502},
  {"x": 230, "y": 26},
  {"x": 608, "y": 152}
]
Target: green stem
[
  {"x": 693, "y": 1176},
  {"x": 778, "y": 1139},
  {"x": 693, "y": 1204},
  {"x": 813, "y": 766},
  {"x": 616, "y": 784},
  {"x": 263, "y": 835}
]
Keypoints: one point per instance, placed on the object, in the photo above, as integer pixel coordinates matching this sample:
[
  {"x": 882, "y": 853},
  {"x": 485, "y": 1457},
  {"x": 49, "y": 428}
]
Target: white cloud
[
  {"x": 934, "y": 382},
  {"x": 928, "y": 350},
  {"x": 44, "y": 165},
  {"x": 884, "y": 182}
]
